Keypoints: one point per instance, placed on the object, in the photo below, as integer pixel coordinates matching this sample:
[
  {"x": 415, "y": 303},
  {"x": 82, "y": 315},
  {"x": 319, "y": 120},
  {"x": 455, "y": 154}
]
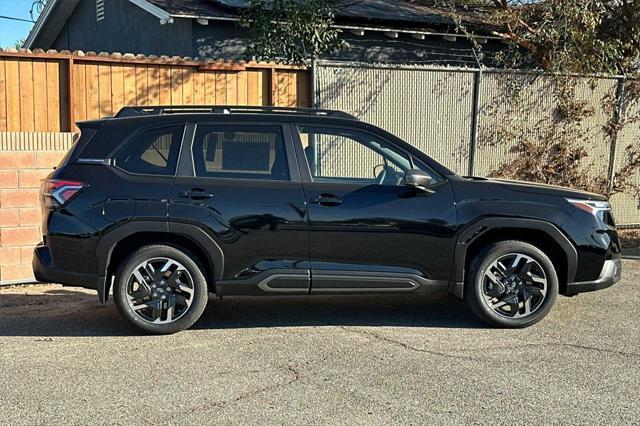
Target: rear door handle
[
  {"x": 196, "y": 194},
  {"x": 328, "y": 200}
]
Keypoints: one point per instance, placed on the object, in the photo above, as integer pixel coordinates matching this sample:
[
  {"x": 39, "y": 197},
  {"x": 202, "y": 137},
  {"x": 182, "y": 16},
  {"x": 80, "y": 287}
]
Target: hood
[{"x": 541, "y": 188}]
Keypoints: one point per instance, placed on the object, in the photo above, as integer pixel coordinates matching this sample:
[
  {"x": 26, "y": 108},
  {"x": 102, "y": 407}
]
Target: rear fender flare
[{"x": 197, "y": 235}]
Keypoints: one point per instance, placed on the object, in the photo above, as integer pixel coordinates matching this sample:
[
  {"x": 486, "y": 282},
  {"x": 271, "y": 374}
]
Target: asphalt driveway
[{"x": 66, "y": 359}]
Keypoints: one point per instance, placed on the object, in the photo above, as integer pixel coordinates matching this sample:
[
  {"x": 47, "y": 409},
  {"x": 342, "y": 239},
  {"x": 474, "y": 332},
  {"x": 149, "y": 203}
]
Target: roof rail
[{"x": 227, "y": 109}]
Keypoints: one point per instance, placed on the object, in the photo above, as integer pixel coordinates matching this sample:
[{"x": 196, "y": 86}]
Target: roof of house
[
  {"x": 372, "y": 11},
  {"x": 381, "y": 15}
]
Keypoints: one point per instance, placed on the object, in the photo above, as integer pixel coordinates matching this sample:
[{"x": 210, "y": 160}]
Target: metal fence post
[
  {"x": 617, "y": 117},
  {"x": 475, "y": 112}
]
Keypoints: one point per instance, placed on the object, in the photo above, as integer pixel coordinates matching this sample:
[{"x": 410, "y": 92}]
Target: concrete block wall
[{"x": 20, "y": 216}]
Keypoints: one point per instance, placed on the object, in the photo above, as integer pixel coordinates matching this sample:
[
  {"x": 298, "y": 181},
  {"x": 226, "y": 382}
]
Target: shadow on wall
[
  {"x": 228, "y": 48},
  {"x": 348, "y": 82},
  {"x": 428, "y": 108},
  {"x": 62, "y": 312}
]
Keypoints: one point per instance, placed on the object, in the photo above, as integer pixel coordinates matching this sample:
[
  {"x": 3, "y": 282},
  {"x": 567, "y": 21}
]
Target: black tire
[
  {"x": 475, "y": 291},
  {"x": 188, "y": 315}
]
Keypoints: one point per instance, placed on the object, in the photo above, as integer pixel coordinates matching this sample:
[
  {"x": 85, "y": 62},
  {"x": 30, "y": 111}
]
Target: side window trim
[
  {"x": 292, "y": 155},
  {"x": 112, "y": 157},
  {"x": 303, "y": 166},
  {"x": 188, "y": 167}
]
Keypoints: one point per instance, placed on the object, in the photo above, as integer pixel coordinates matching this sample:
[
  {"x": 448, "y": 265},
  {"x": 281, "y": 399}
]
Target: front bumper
[{"x": 609, "y": 275}]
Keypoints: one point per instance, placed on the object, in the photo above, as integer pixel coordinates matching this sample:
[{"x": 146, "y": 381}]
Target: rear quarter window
[
  {"x": 80, "y": 139},
  {"x": 153, "y": 152}
]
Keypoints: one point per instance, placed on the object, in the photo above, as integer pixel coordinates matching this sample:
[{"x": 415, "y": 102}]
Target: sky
[{"x": 12, "y": 31}]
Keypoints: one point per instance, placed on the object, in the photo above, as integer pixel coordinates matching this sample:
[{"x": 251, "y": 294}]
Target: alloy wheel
[
  {"x": 160, "y": 290},
  {"x": 514, "y": 285}
]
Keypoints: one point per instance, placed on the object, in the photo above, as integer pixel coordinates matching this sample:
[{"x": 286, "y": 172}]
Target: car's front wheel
[
  {"x": 160, "y": 289},
  {"x": 511, "y": 284}
]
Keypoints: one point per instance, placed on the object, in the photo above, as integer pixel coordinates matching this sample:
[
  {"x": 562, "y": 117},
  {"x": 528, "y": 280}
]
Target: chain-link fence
[{"x": 470, "y": 119}]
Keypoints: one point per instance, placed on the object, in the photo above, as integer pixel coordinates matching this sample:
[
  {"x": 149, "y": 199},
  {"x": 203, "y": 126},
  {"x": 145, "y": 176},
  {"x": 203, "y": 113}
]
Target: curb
[{"x": 8, "y": 283}]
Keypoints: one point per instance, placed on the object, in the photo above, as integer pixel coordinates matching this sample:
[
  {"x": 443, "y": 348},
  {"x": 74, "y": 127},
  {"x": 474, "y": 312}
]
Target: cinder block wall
[{"x": 32, "y": 156}]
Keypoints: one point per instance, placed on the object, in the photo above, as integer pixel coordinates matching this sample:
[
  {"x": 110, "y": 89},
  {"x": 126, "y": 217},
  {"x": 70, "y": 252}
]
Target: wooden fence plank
[
  {"x": 187, "y": 86},
  {"x": 303, "y": 90},
  {"x": 153, "y": 85},
  {"x": 292, "y": 84},
  {"x": 40, "y": 93},
  {"x": 3, "y": 97},
  {"x": 117, "y": 88},
  {"x": 130, "y": 85},
  {"x": 26, "y": 96},
  {"x": 165, "y": 86},
  {"x": 80, "y": 91},
  {"x": 176, "y": 86},
  {"x": 253, "y": 93},
  {"x": 232, "y": 88},
  {"x": 242, "y": 88},
  {"x": 93, "y": 90},
  {"x": 104, "y": 93},
  {"x": 281, "y": 88},
  {"x": 199, "y": 88},
  {"x": 221, "y": 88},
  {"x": 53, "y": 96},
  {"x": 210, "y": 87},
  {"x": 142, "y": 86}
]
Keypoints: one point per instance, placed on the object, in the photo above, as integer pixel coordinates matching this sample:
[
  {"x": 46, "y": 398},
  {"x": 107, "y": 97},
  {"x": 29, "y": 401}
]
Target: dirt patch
[{"x": 630, "y": 241}]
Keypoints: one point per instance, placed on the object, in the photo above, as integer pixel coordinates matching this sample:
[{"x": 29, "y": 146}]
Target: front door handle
[
  {"x": 328, "y": 200},
  {"x": 196, "y": 194}
]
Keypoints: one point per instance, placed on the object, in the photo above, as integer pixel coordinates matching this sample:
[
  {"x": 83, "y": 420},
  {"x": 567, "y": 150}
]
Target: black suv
[{"x": 168, "y": 204}]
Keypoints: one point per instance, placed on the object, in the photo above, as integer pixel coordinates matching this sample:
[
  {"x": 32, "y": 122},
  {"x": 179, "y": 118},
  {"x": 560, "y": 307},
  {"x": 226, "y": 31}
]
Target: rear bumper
[
  {"x": 45, "y": 271},
  {"x": 610, "y": 274}
]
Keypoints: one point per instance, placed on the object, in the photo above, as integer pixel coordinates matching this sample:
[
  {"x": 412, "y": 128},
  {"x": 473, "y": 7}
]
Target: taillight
[{"x": 57, "y": 192}]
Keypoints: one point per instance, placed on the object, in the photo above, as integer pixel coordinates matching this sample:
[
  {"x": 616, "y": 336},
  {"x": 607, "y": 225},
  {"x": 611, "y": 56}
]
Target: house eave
[
  {"x": 363, "y": 28},
  {"x": 37, "y": 27},
  {"x": 161, "y": 14}
]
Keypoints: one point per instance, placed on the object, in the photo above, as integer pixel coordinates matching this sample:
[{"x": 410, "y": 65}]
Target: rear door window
[
  {"x": 154, "y": 152},
  {"x": 240, "y": 152}
]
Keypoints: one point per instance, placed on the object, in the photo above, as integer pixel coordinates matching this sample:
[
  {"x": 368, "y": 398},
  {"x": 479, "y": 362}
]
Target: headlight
[{"x": 591, "y": 207}]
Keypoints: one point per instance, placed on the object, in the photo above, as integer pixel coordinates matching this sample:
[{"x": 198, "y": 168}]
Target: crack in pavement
[
  {"x": 561, "y": 344},
  {"x": 206, "y": 406},
  {"x": 450, "y": 355},
  {"x": 406, "y": 346}
]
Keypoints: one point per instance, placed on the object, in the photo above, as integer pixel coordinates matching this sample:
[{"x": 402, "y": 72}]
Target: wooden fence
[
  {"x": 42, "y": 95},
  {"x": 49, "y": 92}
]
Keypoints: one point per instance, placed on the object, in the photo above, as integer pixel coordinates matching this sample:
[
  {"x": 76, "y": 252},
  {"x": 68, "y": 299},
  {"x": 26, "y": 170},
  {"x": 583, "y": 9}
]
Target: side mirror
[{"x": 417, "y": 179}]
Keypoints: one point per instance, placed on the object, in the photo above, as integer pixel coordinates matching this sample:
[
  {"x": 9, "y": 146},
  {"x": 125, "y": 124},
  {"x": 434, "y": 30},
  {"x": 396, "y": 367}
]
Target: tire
[
  {"x": 167, "y": 302},
  {"x": 493, "y": 280}
]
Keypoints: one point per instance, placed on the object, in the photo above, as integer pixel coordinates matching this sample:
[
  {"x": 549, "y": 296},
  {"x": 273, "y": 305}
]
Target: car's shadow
[{"x": 62, "y": 312}]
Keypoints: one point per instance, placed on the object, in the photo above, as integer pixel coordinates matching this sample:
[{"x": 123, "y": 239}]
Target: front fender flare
[{"x": 475, "y": 229}]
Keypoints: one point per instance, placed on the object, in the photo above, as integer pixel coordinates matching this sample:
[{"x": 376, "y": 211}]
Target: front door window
[{"x": 351, "y": 156}]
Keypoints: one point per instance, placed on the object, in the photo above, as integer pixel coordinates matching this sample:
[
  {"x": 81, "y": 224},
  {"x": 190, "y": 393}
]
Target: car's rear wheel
[
  {"x": 511, "y": 284},
  {"x": 160, "y": 289}
]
